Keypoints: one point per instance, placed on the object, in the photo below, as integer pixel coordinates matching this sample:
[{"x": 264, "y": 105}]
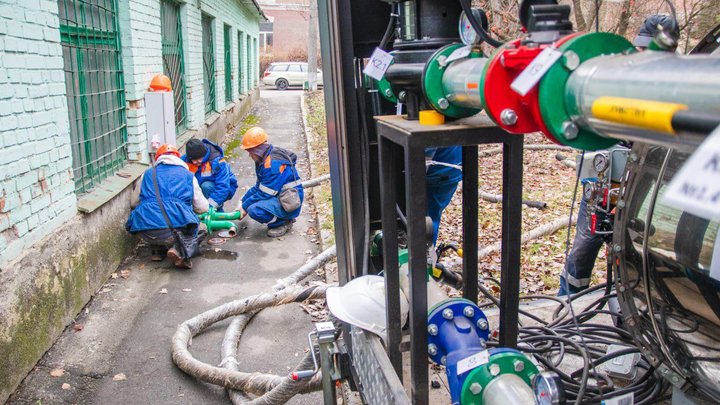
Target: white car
[{"x": 285, "y": 74}]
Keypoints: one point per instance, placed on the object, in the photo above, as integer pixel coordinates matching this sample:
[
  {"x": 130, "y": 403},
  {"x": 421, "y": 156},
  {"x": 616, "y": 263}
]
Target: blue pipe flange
[{"x": 455, "y": 324}]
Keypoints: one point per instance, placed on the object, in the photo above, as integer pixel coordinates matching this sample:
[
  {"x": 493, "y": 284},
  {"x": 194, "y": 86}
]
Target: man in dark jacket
[
  {"x": 212, "y": 171},
  {"x": 181, "y": 196},
  {"x": 441, "y": 177},
  {"x": 276, "y": 173}
]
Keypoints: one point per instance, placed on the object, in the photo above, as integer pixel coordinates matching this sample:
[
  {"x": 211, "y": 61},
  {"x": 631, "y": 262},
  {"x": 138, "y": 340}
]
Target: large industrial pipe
[
  {"x": 688, "y": 82},
  {"x": 461, "y": 82}
]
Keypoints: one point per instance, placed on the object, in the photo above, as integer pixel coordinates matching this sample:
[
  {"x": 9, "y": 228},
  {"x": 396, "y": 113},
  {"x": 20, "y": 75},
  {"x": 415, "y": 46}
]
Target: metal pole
[
  {"x": 511, "y": 239},
  {"x": 416, "y": 211},
  {"x": 388, "y": 197},
  {"x": 470, "y": 222}
]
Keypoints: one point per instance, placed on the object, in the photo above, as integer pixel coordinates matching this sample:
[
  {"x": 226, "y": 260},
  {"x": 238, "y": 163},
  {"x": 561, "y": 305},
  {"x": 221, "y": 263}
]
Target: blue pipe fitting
[{"x": 457, "y": 329}]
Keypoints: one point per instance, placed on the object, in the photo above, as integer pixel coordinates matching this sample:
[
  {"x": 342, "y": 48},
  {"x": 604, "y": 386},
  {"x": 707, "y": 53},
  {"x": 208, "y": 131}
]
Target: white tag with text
[
  {"x": 476, "y": 360},
  {"x": 378, "y": 64},
  {"x": 532, "y": 74},
  {"x": 458, "y": 54}
]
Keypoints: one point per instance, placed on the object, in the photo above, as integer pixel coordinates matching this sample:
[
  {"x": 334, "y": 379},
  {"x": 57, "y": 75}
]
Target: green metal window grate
[
  {"x": 208, "y": 45},
  {"x": 228, "y": 64},
  {"x": 255, "y": 65},
  {"x": 241, "y": 76},
  {"x": 95, "y": 89},
  {"x": 172, "y": 54},
  {"x": 249, "y": 62}
]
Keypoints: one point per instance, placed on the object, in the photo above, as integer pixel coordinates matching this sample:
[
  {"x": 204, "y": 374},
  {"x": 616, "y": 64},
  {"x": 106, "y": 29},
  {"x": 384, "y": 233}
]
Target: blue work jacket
[
  {"x": 176, "y": 190},
  {"x": 437, "y": 175},
  {"x": 215, "y": 168},
  {"x": 275, "y": 170}
]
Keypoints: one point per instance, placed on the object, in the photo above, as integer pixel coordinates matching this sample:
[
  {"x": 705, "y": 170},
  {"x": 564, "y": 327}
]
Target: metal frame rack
[{"x": 404, "y": 140}]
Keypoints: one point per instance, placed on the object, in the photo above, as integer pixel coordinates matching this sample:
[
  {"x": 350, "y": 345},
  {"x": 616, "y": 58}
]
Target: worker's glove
[
  {"x": 243, "y": 213},
  {"x": 212, "y": 203}
]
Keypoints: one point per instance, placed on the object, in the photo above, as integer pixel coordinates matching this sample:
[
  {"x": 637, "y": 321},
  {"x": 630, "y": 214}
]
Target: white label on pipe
[
  {"x": 476, "y": 360},
  {"x": 696, "y": 187},
  {"x": 626, "y": 399},
  {"x": 378, "y": 64},
  {"x": 532, "y": 74},
  {"x": 458, "y": 54}
]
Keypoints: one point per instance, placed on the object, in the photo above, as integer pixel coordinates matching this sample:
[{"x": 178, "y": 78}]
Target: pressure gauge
[
  {"x": 548, "y": 389},
  {"x": 588, "y": 191},
  {"x": 600, "y": 162},
  {"x": 468, "y": 35},
  {"x": 466, "y": 30}
]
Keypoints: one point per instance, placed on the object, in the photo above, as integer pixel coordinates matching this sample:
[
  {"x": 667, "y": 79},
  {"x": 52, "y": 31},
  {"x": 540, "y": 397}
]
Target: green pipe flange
[
  {"x": 433, "y": 87},
  {"x": 554, "y": 106},
  {"x": 385, "y": 90},
  {"x": 504, "y": 362}
]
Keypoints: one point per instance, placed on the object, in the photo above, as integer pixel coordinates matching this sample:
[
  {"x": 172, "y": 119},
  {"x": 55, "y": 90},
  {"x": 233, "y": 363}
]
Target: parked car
[{"x": 285, "y": 74}]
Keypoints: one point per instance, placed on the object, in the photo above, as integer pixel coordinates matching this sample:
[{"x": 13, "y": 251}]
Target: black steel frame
[{"x": 404, "y": 140}]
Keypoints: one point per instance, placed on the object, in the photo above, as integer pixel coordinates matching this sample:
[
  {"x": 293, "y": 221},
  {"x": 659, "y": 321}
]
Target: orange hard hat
[
  {"x": 253, "y": 137},
  {"x": 166, "y": 149},
  {"x": 160, "y": 83}
]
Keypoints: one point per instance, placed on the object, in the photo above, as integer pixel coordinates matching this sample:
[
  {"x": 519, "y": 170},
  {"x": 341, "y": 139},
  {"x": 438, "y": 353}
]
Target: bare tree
[{"x": 312, "y": 46}]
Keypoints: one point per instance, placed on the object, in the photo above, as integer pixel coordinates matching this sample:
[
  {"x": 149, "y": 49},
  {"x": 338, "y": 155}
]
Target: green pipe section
[
  {"x": 218, "y": 225},
  {"x": 453, "y": 88}
]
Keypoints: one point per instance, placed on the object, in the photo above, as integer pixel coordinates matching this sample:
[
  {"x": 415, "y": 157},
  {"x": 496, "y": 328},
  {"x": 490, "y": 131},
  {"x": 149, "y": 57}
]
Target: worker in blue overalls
[
  {"x": 442, "y": 176},
  {"x": 207, "y": 161},
  {"x": 276, "y": 198}
]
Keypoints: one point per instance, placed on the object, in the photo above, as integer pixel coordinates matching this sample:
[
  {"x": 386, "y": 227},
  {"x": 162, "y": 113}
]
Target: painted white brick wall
[
  {"x": 37, "y": 192},
  {"x": 239, "y": 16}
]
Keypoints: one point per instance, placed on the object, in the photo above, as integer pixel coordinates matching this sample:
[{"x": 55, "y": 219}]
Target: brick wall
[
  {"x": 239, "y": 16},
  {"x": 142, "y": 59},
  {"x": 35, "y": 156},
  {"x": 290, "y": 30}
]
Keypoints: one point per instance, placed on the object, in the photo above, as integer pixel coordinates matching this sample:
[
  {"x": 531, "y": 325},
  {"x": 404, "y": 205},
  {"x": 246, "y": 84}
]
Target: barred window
[
  {"x": 241, "y": 75},
  {"x": 208, "y": 44},
  {"x": 95, "y": 89},
  {"x": 228, "y": 63},
  {"x": 173, "y": 60},
  {"x": 249, "y": 75}
]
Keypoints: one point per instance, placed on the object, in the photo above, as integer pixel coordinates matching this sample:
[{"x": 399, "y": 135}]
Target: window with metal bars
[
  {"x": 208, "y": 45},
  {"x": 241, "y": 75},
  {"x": 248, "y": 49},
  {"x": 95, "y": 89},
  {"x": 256, "y": 76},
  {"x": 173, "y": 63},
  {"x": 228, "y": 63}
]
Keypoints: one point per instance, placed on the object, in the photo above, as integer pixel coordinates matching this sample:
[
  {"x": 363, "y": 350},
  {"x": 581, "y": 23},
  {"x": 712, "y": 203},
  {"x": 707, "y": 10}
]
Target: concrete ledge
[{"x": 48, "y": 286}]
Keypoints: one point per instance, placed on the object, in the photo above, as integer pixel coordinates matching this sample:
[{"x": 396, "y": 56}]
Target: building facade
[
  {"x": 286, "y": 32},
  {"x": 73, "y": 75}
]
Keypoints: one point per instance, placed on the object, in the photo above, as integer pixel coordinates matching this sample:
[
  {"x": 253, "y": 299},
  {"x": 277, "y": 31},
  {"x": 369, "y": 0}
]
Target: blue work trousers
[
  {"x": 438, "y": 197},
  {"x": 208, "y": 188},
  {"x": 581, "y": 259},
  {"x": 270, "y": 212}
]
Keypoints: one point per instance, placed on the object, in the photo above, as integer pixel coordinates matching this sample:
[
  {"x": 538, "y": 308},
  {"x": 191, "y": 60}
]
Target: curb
[{"x": 311, "y": 157}]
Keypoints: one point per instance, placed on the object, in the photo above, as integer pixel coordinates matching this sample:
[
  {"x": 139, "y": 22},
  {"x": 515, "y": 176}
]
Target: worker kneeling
[
  {"x": 277, "y": 196},
  {"x": 163, "y": 208},
  {"x": 212, "y": 171}
]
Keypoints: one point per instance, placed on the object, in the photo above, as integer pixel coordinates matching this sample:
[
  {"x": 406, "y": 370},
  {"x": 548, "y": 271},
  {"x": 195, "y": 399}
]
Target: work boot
[
  {"x": 157, "y": 255},
  {"x": 175, "y": 257},
  {"x": 280, "y": 230}
]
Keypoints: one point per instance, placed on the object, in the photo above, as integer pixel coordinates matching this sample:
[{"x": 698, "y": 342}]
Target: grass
[{"x": 247, "y": 123}]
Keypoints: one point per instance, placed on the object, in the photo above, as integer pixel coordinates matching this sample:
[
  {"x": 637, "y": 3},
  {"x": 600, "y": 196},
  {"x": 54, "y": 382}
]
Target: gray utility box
[{"x": 160, "y": 119}]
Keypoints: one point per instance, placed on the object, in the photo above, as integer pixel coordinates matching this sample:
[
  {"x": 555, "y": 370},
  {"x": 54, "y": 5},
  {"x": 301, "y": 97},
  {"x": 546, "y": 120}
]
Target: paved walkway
[{"x": 128, "y": 326}]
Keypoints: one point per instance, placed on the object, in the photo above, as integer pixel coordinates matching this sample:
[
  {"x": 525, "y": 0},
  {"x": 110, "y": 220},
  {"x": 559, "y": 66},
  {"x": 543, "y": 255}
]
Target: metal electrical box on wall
[{"x": 160, "y": 119}]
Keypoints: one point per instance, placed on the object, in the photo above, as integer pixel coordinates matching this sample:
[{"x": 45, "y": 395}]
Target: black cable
[{"x": 390, "y": 28}]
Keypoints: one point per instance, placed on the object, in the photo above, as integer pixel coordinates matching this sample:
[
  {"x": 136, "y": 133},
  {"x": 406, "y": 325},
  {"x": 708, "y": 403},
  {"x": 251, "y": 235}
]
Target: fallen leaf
[
  {"x": 114, "y": 275},
  {"x": 163, "y": 291},
  {"x": 187, "y": 289},
  {"x": 105, "y": 290},
  {"x": 124, "y": 273},
  {"x": 57, "y": 372},
  {"x": 119, "y": 377},
  {"x": 66, "y": 386},
  {"x": 78, "y": 327}
]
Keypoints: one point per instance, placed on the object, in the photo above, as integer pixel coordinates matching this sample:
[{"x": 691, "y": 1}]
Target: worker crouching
[
  {"x": 207, "y": 161},
  {"x": 181, "y": 198},
  {"x": 277, "y": 196}
]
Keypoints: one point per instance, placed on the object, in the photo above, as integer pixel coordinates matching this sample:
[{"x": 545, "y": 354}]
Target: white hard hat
[{"x": 361, "y": 302}]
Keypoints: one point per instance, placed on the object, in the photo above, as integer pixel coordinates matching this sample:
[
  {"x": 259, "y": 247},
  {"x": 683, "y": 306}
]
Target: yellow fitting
[{"x": 431, "y": 117}]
